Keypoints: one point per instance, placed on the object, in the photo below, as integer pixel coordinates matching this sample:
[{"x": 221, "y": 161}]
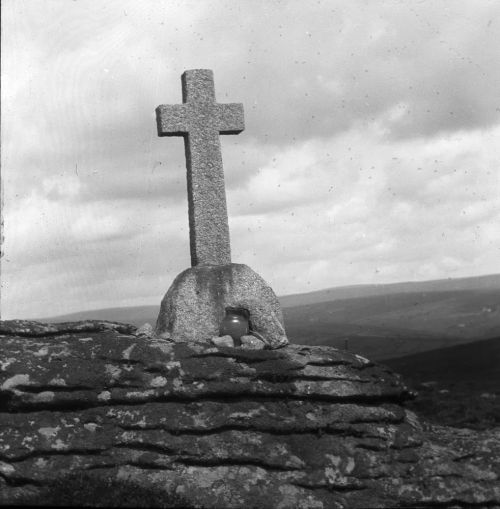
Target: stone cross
[{"x": 200, "y": 120}]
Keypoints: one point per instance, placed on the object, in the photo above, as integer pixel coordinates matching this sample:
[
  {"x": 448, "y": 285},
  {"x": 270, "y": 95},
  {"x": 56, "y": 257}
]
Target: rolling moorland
[
  {"x": 442, "y": 336},
  {"x": 455, "y": 386},
  {"x": 377, "y": 321}
]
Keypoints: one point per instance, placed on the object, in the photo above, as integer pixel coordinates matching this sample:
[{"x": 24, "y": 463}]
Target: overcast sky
[{"x": 371, "y": 152}]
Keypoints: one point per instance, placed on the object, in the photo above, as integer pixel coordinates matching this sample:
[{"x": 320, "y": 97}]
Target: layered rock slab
[{"x": 95, "y": 415}]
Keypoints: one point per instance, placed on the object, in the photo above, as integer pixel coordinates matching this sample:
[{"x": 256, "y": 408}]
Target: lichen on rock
[{"x": 163, "y": 424}]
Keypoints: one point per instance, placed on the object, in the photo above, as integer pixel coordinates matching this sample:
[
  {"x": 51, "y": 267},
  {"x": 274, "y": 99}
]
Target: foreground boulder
[{"x": 91, "y": 414}]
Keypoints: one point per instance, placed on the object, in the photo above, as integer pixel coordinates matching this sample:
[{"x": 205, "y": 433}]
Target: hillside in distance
[
  {"x": 476, "y": 363},
  {"x": 135, "y": 315},
  {"x": 455, "y": 386},
  {"x": 490, "y": 282},
  {"x": 376, "y": 321},
  {"x": 397, "y": 324}
]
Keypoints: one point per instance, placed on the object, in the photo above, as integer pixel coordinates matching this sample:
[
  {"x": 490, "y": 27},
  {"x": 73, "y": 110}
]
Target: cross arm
[
  {"x": 230, "y": 118},
  {"x": 172, "y": 120}
]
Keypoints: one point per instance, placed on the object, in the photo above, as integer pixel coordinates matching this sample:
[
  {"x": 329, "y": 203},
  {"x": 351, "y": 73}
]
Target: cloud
[
  {"x": 81, "y": 256},
  {"x": 370, "y": 152},
  {"x": 317, "y": 71},
  {"x": 386, "y": 210},
  {"x": 95, "y": 76}
]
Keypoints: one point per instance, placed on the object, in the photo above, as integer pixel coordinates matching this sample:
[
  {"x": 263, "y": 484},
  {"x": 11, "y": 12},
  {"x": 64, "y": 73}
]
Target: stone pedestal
[{"x": 195, "y": 304}]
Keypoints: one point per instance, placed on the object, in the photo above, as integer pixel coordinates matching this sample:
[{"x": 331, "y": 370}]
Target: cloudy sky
[{"x": 371, "y": 152}]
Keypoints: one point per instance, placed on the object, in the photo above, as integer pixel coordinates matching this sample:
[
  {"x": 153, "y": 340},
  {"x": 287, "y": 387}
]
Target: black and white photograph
[{"x": 250, "y": 253}]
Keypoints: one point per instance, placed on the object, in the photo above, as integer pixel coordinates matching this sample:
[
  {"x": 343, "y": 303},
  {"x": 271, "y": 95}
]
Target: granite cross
[{"x": 200, "y": 120}]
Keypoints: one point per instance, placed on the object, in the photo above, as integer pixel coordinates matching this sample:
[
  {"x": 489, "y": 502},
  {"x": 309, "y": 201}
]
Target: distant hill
[
  {"x": 397, "y": 324},
  {"x": 136, "y": 315},
  {"x": 490, "y": 282},
  {"x": 477, "y": 363},
  {"x": 456, "y": 386},
  {"x": 377, "y": 321}
]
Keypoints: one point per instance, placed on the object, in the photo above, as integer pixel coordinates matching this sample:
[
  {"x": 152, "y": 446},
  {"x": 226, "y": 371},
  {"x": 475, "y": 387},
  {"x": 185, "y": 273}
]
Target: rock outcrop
[{"x": 91, "y": 414}]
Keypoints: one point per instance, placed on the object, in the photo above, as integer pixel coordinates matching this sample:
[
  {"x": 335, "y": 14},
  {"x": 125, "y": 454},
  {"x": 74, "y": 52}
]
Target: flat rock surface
[{"x": 91, "y": 414}]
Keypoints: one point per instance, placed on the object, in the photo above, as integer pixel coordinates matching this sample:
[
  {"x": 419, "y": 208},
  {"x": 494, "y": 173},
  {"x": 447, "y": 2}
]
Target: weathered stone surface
[
  {"x": 32, "y": 329},
  {"x": 200, "y": 120},
  {"x": 252, "y": 343},
  {"x": 226, "y": 341},
  {"x": 106, "y": 418},
  {"x": 145, "y": 330},
  {"x": 195, "y": 304}
]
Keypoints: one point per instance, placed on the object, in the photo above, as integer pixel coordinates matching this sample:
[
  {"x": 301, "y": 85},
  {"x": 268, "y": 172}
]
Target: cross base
[{"x": 195, "y": 304}]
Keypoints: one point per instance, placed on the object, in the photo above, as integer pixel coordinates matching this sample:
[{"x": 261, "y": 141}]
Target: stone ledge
[{"x": 103, "y": 417}]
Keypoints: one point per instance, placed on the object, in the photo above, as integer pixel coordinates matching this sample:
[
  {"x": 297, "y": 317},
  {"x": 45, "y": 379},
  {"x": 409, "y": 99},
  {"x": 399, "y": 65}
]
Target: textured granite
[
  {"x": 195, "y": 304},
  {"x": 91, "y": 415},
  {"x": 200, "y": 120}
]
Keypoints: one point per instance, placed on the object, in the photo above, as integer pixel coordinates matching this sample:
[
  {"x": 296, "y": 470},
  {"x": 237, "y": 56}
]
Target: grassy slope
[
  {"x": 490, "y": 282},
  {"x": 394, "y": 325},
  {"x": 137, "y": 315},
  {"x": 475, "y": 363},
  {"x": 457, "y": 386}
]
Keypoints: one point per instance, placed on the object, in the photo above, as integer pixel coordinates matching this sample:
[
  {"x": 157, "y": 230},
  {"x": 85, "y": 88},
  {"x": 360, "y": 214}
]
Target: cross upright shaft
[{"x": 200, "y": 120}]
